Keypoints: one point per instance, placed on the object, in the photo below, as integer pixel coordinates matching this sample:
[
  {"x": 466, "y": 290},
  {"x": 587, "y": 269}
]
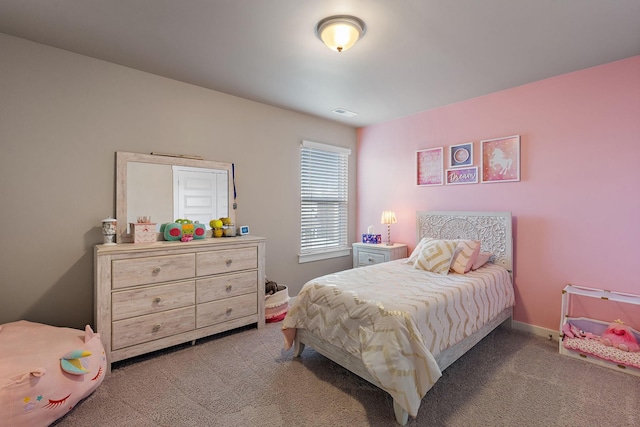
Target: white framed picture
[
  {"x": 461, "y": 155},
  {"x": 501, "y": 159},
  {"x": 462, "y": 176},
  {"x": 429, "y": 165}
]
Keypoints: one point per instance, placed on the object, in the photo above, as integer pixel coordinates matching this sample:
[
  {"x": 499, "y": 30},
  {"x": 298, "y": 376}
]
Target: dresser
[
  {"x": 156, "y": 295},
  {"x": 368, "y": 254}
]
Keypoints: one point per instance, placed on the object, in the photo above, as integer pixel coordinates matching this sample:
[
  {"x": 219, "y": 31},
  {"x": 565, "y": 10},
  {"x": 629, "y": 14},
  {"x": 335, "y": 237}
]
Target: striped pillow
[
  {"x": 436, "y": 256},
  {"x": 465, "y": 255},
  {"x": 414, "y": 255}
]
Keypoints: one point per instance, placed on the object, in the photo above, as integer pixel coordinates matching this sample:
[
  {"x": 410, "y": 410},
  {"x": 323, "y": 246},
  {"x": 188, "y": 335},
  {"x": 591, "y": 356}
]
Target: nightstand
[{"x": 368, "y": 254}]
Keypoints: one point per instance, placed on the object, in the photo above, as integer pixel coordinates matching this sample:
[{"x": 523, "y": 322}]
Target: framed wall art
[
  {"x": 501, "y": 159},
  {"x": 461, "y": 155},
  {"x": 462, "y": 176},
  {"x": 429, "y": 166}
]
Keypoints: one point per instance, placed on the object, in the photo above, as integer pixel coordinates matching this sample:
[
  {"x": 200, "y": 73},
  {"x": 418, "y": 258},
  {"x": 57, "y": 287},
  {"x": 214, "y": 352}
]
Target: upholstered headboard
[{"x": 493, "y": 229}]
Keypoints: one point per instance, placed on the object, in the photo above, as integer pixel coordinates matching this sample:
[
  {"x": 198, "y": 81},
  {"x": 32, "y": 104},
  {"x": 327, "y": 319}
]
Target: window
[{"x": 324, "y": 185}]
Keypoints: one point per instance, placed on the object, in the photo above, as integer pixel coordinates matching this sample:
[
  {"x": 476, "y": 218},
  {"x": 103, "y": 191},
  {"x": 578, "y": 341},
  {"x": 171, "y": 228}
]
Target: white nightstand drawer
[
  {"x": 368, "y": 254},
  {"x": 369, "y": 258}
]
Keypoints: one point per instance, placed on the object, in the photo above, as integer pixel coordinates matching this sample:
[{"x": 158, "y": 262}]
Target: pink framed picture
[
  {"x": 462, "y": 176},
  {"x": 429, "y": 166},
  {"x": 501, "y": 159}
]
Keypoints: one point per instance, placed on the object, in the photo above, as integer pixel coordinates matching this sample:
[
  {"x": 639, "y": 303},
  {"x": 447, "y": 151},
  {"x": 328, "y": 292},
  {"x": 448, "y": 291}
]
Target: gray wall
[{"x": 62, "y": 118}]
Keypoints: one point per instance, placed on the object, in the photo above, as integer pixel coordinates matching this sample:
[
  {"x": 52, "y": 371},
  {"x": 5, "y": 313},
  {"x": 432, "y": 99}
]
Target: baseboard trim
[{"x": 535, "y": 330}]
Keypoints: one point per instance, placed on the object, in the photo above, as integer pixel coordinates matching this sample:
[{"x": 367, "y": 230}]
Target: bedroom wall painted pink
[{"x": 577, "y": 207}]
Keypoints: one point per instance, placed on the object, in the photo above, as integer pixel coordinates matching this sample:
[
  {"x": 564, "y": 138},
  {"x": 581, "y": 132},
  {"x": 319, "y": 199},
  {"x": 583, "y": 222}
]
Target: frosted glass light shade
[
  {"x": 340, "y": 32},
  {"x": 388, "y": 217}
]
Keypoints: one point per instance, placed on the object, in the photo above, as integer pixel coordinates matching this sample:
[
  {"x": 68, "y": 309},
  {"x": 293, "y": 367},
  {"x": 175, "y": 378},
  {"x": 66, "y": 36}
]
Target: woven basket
[{"x": 276, "y": 305}]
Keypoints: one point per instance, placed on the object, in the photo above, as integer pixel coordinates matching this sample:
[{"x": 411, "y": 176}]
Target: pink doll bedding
[
  {"x": 46, "y": 370},
  {"x": 588, "y": 341}
]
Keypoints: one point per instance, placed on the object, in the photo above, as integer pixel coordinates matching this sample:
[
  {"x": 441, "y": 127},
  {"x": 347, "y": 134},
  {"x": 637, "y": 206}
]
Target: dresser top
[{"x": 163, "y": 244}]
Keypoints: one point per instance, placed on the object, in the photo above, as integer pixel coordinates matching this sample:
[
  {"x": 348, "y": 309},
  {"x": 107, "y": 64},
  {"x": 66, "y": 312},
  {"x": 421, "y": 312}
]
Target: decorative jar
[{"x": 109, "y": 230}]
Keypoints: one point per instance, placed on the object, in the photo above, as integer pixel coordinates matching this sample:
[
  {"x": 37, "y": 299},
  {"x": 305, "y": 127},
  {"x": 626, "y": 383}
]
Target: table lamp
[{"x": 388, "y": 218}]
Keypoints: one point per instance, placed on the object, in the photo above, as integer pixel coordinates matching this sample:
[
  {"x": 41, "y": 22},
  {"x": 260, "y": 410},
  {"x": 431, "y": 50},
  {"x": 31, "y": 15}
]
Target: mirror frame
[{"x": 122, "y": 160}]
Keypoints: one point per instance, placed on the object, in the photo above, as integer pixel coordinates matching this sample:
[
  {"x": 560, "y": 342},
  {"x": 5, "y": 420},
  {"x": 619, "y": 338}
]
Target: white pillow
[
  {"x": 481, "y": 260},
  {"x": 435, "y": 256},
  {"x": 414, "y": 255},
  {"x": 465, "y": 255}
]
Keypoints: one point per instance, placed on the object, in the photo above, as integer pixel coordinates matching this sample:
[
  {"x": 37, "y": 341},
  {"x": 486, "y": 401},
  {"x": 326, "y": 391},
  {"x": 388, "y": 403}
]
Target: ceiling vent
[{"x": 345, "y": 113}]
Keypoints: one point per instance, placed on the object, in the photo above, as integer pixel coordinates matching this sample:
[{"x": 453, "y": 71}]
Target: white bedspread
[{"x": 397, "y": 318}]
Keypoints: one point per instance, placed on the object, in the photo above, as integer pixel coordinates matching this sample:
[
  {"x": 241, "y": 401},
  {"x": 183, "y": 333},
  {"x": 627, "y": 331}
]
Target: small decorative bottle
[{"x": 109, "y": 230}]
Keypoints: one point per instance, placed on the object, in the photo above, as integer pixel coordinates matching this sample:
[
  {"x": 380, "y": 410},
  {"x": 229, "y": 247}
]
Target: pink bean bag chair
[{"x": 45, "y": 371}]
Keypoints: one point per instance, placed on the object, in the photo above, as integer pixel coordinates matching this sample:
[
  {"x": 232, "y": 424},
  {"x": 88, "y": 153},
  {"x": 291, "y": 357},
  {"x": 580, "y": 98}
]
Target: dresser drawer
[
  {"x": 147, "y": 328},
  {"x": 143, "y": 271},
  {"x": 225, "y": 286},
  {"x": 226, "y": 261},
  {"x": 369, "y": 258},
  {"x": 215, "y": 312},
  {"x": 154, "y": 299}
]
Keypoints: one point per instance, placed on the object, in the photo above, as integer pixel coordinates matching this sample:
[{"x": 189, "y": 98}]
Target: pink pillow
[
  {"x": 465, "y": 255},
  {"x": 481, "y": 260}
]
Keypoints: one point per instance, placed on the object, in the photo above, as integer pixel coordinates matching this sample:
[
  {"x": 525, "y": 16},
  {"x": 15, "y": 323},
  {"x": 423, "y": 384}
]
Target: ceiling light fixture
[{"x": 340, "y": 32}]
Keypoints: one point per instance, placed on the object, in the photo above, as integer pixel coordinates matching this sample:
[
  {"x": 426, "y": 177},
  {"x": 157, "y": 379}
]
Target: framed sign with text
[{"x": 462, "y": 176}]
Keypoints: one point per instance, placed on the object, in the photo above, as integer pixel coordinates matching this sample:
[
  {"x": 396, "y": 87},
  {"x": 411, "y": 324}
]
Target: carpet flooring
[{"x": 244, "y": 378}]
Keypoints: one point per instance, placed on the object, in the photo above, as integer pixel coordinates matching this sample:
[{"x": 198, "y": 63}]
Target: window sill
[{"x": 317, "y": 256}]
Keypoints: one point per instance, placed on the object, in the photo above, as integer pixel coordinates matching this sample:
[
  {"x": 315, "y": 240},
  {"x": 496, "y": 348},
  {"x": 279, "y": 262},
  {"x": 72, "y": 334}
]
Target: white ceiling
[{"x": 415, "y": 55}]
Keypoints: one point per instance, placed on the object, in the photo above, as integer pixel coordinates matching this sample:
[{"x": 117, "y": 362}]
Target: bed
[{"x": 399, "y": 326}]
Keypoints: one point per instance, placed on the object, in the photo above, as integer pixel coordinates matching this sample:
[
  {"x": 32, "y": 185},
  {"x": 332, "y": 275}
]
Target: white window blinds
[{"x": 324, "y": 184}]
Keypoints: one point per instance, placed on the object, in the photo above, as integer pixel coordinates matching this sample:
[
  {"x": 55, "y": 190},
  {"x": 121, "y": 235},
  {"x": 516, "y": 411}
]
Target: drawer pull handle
[
  {"x": 157, "y": 270},
  {"x": 229, "y": 287},
  {"x": 229, "y": 261},
  {"x": 157, "y": 300},
  {"x": 155, "y": 328},
  {"x": 229, "y": 309},
  {"x": 370, "y": 259}
]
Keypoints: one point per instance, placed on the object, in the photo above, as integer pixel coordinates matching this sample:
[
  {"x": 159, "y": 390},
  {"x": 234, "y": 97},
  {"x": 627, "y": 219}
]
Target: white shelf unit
[{"x": 604, "y": 296}]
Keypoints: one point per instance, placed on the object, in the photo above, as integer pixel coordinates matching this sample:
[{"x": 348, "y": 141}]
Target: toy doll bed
[
  {"x": 45, "y": 371},
  {"x": 586, "y": 344},
  {"x": 398, "y": 326}
]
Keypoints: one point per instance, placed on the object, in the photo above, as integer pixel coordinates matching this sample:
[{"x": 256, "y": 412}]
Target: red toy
[{"x": 620, "y": 336}]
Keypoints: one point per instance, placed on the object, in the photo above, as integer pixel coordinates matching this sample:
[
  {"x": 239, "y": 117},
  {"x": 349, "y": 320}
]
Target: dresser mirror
[{"x": 164, "y": 188}]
